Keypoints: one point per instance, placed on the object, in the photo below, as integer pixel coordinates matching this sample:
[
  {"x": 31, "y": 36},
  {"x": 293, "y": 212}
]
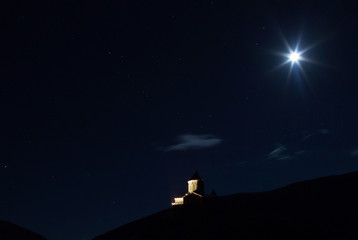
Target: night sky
[{"x": 108, "y": 108}]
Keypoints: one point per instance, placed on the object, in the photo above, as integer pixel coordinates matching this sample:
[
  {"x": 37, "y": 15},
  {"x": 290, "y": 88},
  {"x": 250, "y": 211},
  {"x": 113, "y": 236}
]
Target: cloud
[
  {"x": 323, "y": 131},
  {"x": 190, "y": 141},
  {"x": 317, "y": 132},
  {"x": 294, "y": 150},
  {"x": 282, "y": 153},
  {"x": 354, "y": 153},
  {"x": 307, "y": 136},
  {"x": 277, "y": 152}
]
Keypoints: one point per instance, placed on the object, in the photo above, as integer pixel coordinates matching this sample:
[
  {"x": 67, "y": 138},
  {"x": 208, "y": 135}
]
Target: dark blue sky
[{"x": 108, "y": 108}]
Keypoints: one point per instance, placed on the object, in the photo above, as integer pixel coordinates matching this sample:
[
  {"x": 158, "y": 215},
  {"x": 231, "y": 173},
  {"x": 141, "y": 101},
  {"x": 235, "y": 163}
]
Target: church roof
[{"x": 196, "y": 176}]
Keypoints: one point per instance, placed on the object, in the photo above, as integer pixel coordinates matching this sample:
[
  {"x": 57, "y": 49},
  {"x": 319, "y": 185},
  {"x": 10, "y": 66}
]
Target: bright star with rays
[{"x": 294, "y": 56}]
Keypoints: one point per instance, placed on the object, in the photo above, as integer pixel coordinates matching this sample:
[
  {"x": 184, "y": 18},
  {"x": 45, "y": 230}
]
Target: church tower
[
  {"x": 196, "y": 184},
  {"x": 195, "y": 193}
]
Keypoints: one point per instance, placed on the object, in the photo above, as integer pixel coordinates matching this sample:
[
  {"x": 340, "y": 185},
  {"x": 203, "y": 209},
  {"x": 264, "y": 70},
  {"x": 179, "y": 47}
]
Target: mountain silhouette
[
  {"x": 10, "y": 231},
  {"x": 324, "y": 208}
]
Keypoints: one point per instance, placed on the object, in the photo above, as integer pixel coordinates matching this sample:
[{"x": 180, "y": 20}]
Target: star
[{"x": 294, "y": 57}]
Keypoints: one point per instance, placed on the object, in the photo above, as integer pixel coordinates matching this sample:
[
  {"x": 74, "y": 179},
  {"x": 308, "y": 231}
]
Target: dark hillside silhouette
[
  {"x": 10, "y": 231},
  {"x": 325, "y": 208}
]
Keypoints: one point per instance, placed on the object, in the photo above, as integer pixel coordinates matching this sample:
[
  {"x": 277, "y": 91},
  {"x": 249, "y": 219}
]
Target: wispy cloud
[
  {"x": 191, "y": 141},
  {"x": 322, "y": 131},
  {"x": 354, "y": 153},
  {"x": 307, "y": 136},
  {"x": 279, "y": 153}
]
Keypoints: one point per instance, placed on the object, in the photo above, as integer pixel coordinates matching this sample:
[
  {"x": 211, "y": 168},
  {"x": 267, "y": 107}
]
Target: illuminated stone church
[{"x": 195, "y": 193}]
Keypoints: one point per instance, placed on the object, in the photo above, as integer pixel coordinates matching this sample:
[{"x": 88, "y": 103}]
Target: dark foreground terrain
[
  {"x": 325, "y": 208},
  {"x": 10, "y": 231}
]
